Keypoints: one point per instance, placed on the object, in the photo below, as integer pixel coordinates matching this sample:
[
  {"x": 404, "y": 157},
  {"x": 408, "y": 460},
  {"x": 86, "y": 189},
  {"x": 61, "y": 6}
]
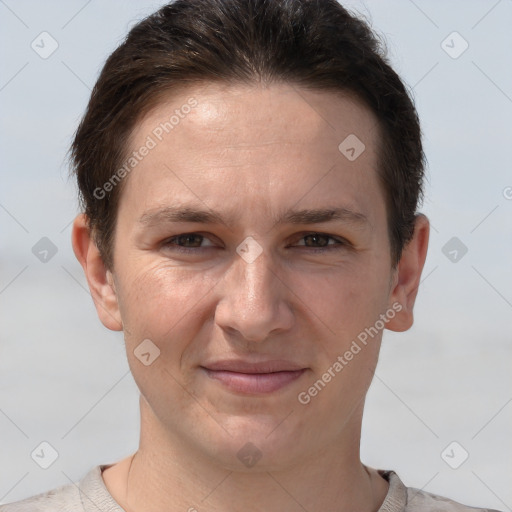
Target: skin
[{"x": 251, "y": 154}]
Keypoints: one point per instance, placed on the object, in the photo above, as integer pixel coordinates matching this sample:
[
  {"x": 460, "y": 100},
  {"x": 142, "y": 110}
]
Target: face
[{"x": 252, "y": 252}]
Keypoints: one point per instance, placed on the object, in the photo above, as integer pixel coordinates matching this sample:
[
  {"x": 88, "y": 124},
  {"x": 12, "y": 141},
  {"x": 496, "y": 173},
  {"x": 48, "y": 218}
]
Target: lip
[{"x": 254, "y": 378}]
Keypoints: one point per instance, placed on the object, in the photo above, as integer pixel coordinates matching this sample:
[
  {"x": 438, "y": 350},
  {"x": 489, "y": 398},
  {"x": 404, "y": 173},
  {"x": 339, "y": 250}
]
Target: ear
[
  {"x": 408, "y": 274},
  {"x": 100, "y": 280}
]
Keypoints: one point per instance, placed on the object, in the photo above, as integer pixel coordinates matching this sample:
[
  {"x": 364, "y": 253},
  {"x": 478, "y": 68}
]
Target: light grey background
[{"x": 64, "y": 378}]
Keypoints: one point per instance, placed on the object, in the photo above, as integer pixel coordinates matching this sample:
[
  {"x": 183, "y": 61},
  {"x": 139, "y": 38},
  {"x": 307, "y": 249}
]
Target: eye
[
  {"x": 188, "y": 241},
  {"x": 320, "y": 241}
]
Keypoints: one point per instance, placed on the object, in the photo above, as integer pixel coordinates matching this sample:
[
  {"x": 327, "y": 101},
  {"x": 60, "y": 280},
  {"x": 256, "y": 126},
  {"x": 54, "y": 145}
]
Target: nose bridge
[
  {"x": 253, "y": 300},
  {"x": 250, "y": 283},
  {"x": 255, "y": 283}
]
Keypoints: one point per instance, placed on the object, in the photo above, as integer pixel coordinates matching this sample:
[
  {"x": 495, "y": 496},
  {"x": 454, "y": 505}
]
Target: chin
[{"x": 258, "y": 443}]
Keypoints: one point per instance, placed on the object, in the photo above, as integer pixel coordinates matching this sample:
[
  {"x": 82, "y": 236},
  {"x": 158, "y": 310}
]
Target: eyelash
[{"x": 338, "y": 243}]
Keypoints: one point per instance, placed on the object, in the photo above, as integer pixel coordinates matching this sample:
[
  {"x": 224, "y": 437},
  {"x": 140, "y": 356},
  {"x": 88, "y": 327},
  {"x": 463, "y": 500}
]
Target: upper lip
[{"x": 240, "y": 366}]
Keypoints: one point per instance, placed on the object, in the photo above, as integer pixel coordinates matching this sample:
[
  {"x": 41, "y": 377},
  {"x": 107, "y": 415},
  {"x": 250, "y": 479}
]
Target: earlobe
[
  {"x": 99, "y": 278},
  {"x": 408, "y": 275}
]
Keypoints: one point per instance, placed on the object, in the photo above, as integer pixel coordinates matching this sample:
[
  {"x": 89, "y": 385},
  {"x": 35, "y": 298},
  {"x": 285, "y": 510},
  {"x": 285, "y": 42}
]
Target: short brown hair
[{"x": 316, "y": 44}]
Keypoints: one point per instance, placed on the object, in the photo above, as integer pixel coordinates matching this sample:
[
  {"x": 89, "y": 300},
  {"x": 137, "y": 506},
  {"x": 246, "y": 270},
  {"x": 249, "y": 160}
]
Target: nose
[{"x": 254, "y": 303}]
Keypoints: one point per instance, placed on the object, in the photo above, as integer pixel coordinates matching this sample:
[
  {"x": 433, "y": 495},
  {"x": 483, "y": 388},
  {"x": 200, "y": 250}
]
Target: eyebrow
[
  {"x": 320, "y": 215},
  {"x": 306, "y": 216}
]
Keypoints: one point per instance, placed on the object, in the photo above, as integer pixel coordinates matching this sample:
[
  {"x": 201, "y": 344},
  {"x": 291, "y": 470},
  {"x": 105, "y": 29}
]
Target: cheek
[
  {"x": 158, "y": 300},
  {"x": 349, "y": 309},
  {"x": 346, "y": 301}
]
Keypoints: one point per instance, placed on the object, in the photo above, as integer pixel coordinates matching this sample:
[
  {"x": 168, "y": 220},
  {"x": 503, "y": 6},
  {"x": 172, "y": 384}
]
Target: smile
[{"x": 249, "y": 378}]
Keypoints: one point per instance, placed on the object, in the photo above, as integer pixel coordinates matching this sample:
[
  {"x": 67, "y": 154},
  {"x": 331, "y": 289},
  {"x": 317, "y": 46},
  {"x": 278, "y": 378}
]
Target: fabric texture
[{"x": 91, "y": 495}]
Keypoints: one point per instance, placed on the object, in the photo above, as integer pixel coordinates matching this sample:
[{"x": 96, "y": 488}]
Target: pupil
[
  {"x": 317, "y": 240},
  {"x": 191, "y": 240}
]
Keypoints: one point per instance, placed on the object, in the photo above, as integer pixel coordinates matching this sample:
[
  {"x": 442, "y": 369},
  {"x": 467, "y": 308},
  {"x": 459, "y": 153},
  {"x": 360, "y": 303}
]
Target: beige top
[{"x": 91, "y": 495}]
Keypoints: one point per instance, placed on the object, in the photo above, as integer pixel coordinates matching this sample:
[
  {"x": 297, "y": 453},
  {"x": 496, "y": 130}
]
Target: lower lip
[{"x": 254, "y": 382}]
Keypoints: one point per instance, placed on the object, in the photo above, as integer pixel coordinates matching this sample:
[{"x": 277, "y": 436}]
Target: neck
[{"x": 167, "y": 475}]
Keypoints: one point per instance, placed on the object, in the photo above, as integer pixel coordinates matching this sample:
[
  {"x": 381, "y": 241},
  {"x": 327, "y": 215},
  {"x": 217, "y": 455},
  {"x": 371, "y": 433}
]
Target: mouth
[{"x": 254, "y": 378}]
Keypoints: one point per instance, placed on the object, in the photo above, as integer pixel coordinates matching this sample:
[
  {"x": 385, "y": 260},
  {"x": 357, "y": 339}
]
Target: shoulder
[
  {"x": 421, "y": 501},
  {"x": 409, "y": 499},
  {"x": 61, "y": 499},
  {"x": 87, "y": 495}
]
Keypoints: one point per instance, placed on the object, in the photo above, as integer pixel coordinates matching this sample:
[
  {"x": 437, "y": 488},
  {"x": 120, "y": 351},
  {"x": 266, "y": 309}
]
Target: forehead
[
  {"x": 264, "y": 144},
  {"x": 247, "y": 115}
]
